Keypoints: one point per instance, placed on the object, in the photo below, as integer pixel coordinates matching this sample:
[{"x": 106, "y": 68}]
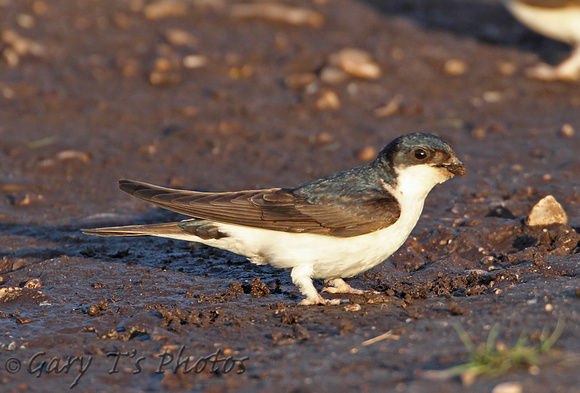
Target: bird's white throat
[{"x": 414, "y": 183}]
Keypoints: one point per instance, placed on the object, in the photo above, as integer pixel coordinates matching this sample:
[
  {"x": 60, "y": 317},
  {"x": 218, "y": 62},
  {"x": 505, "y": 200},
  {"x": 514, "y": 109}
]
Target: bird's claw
[
  {"x": 343, "y": 290},
  {"x": 320, "y": 300}
]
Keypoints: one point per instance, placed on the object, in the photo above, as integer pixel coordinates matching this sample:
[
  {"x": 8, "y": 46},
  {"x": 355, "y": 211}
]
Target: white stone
[{"x": 546, "y": 212}]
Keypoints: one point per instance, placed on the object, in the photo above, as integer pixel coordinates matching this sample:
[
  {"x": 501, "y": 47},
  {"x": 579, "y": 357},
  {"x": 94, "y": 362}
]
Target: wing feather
[{"x": 274, "y": 209}]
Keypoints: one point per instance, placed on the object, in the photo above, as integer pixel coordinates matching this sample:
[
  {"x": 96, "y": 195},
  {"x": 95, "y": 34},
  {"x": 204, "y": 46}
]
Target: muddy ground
[{"x": 86, "y": 100}]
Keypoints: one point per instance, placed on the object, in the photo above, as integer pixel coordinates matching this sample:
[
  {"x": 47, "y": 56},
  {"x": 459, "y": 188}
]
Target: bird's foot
[
  {"x": 301, "y": 276},
  {"x": 319, "y": 300},
  {"x": 548, "y": 73},
  {"x": 339, "y": 286},
  {"x": 340, "y": 290}
]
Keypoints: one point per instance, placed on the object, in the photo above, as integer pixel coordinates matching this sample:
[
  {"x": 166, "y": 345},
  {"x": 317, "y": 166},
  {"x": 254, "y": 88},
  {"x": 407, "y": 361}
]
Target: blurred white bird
[{"x": 556, "y": 19}]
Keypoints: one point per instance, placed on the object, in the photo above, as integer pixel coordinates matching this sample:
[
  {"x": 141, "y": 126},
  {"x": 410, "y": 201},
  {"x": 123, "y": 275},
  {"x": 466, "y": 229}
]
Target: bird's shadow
[
  {"x": 483, "y": 21},
  {"x": 23, "y": 245}
]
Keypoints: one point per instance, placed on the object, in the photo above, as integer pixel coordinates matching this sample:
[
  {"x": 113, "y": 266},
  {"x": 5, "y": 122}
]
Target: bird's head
[{"x": 424, "y": 158}]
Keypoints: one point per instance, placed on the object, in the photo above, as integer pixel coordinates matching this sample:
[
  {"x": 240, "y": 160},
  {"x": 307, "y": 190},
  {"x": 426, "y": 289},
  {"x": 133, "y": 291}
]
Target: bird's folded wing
[
  {"x": 274, "y": 209},
  {"x": 551, "y": 3}
]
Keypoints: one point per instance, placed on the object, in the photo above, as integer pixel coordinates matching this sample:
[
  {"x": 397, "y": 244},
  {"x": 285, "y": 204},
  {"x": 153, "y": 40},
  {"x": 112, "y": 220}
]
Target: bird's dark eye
[{"x": 420, "y": 154}]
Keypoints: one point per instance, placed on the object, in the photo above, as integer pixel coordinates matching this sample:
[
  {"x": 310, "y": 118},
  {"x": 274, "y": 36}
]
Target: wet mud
[{"x": 208, "y": 95}]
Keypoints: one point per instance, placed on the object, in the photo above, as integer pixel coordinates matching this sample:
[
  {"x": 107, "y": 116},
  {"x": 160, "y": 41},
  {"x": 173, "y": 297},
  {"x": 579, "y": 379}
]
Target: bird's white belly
[
  {"x": 329, "y": 256},
  {"x": 562, "y": 24}
]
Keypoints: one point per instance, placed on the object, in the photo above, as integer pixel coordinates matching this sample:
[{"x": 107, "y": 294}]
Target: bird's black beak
[{"x": 455, "y": 166}]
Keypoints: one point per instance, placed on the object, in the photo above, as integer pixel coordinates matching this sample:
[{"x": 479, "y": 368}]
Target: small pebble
[
  {"x": 11, "y": 57},
  {"x": 332, "y": 75},
  {"x": 487, "y": 260},
  {"x": 158, "y": 78},
  {"x": 300, "y": 79},
  {"x": 278, "y": 13},
  {"x": 352, "y": 307},
  {"x": 479, "y": 133},
  {"x": 9, "y": 293},
  {"x": 23, "y": 320},
  {"x": 21, "y": 45},
  {"x": 567, "y": 130},
  {"x": 367, "y": 154},
  {"x": 534, "y": 370},
  {"x": 328, "y": 100},
  {"x": 25, "y": 21},
  {"x": 162, "y": 64},
  {"x": 391, "y": 108},
  {"x": 507, "y": 68},
  {"x": 165, "y": 9},
  {"x": 492, "y": 96},
  {"x": 39, "y": 7},
  {"x": 94, "y": 310},
  {"x": 181, "y": 37},
  {"x": 194, "y": 61},
  {"x": 73, "y": 155},
  {"x": 356, "y": 62},
  {"x": 455, "y": 67},
  {"x": 467, "y": 378},
  {"x": 8, "y": 92},
  {"x": 508, "y": 387},
  {"x": 28, "y": 199},
  {"x": 244, "y": 71},
  {"x": 33, "y": 284},
  {"x": 129, "y": 67},
  {"x": 547, "y": 211},
  {"x": 324, "y": 137},
  {"x": 189, "y": 111}
]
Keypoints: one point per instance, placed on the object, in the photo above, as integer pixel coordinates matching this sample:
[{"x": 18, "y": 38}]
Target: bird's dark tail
[{"x": 164, "y": 230}]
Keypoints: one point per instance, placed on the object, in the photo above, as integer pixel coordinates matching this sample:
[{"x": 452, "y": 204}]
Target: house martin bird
[
  {"x": 559, "y": 20},
  {"x": 331, "y": 228}
]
